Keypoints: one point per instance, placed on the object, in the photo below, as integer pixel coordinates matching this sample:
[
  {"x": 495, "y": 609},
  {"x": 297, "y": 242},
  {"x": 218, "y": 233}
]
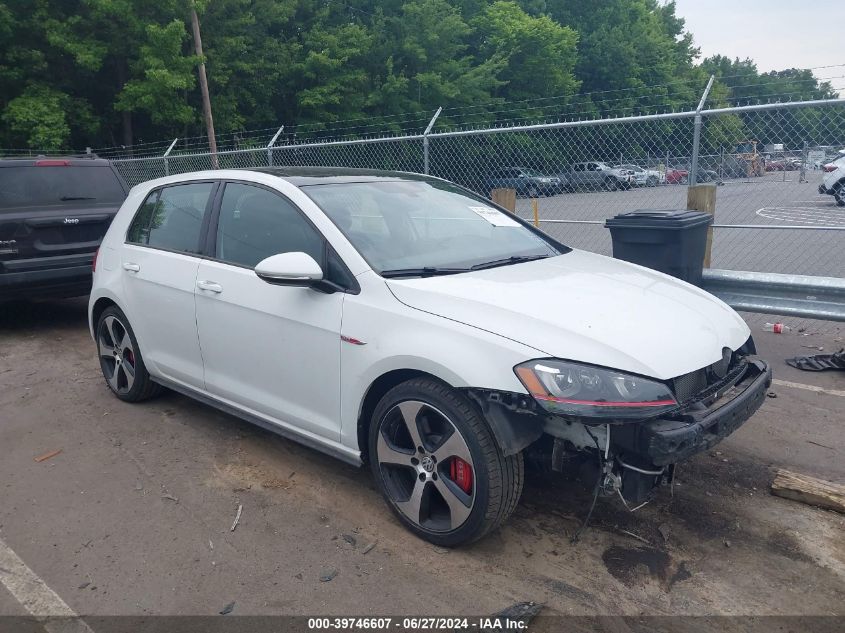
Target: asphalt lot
[
  {"x": 775, "y": 199},
  {"x": 134, "y": 516}
]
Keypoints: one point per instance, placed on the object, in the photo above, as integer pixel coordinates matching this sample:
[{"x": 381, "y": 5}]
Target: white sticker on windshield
[{"x": 494, "y": 216}]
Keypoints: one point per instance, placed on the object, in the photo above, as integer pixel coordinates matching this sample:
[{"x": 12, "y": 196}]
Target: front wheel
[
  {"x": 438, "y": 465},
  {"x": 839, "y": 195},
  {"x": 120, "y": 358}
]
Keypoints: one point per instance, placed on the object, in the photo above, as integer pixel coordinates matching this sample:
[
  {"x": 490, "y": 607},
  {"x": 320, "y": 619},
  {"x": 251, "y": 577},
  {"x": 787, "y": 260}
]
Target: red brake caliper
[{"x": 461, "y": 474}]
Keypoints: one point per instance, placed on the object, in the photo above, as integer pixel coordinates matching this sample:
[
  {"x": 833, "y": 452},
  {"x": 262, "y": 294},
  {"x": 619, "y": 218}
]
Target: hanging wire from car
[{"x": 599, "y": 479}]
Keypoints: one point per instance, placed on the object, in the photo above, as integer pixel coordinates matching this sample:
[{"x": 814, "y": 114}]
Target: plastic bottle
[{"x": 777, "y": 328}]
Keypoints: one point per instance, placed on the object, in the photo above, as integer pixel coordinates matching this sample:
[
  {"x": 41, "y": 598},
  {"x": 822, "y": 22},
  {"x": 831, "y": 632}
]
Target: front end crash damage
[{"x": 632, "y": 457}]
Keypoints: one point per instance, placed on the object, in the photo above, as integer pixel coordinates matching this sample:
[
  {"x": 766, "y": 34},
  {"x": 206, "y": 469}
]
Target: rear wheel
[
  {"x": 120, "y": 358},
  {"x": 611, "y": 184},
  {"x": 651, "y": 181},
  {"x": 839, "y": 195},
  {"x": 438, "y": 465}
]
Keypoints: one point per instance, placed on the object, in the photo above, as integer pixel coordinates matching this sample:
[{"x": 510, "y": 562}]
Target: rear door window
[
  {"x": 62, "y": 185},
  {"x": 171, "y": 218}
]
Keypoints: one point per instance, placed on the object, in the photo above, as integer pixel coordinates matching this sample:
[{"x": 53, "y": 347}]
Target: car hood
[{"x": 589, "y": 308}]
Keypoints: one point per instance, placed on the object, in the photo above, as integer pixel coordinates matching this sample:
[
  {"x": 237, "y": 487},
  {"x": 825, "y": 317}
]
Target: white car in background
[
  {"x": 833, "y": 181},
  {"x": 645, "y": 177},
  {"x": 403, "y": 321}
]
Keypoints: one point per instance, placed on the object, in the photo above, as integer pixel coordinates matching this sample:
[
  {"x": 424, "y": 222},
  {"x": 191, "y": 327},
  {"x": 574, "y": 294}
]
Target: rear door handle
[
  {"x": 210, "y": 286},
  {"x": 132, "y": 268}
]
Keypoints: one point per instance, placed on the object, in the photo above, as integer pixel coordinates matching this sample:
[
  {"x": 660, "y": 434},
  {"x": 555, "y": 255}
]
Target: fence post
[
  {"x": 805, "y": 153},
  {"x": 696, "y": 134},
  {"x": 425, "y": 139},
  {"x": 270, "y": 146},
  {"x": 166, "y": 154}
]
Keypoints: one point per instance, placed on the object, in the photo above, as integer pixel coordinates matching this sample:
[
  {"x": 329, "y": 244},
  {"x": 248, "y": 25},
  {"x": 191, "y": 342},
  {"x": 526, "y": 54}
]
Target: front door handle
[
  {"x": 210, "y": 286},
  {"x": 132, "y": 268}
]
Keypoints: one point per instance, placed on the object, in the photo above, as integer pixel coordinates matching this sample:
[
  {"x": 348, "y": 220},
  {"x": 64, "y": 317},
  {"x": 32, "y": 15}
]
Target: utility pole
[{"x": 206, "y": 100}]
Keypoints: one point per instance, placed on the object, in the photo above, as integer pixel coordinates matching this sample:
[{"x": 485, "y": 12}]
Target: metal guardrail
[{"x": 786, "y": 295}]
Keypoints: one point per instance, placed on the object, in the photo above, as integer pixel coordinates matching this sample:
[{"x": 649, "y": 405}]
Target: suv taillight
[
  {"x": 94, "y": 262},
  {"x": 829, "y": 167}
]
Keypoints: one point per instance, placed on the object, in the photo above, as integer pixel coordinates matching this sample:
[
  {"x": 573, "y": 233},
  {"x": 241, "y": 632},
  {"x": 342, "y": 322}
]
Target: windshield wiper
[
  {"x": 507, "y": 261},
  {"x": 66, "y": 198},
  {"x": 426, "y": 271}
]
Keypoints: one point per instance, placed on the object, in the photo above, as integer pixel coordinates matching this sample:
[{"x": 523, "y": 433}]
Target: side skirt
[{"x": 335, "y": 450}]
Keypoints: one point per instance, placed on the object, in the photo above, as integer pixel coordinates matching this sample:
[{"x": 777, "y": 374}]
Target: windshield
[
  {"x": 403, "y": 225},
  {"x": 26, "y": 186}
]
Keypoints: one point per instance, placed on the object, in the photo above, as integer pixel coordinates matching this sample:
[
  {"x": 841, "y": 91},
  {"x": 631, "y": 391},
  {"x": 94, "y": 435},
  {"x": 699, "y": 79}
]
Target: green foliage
[
  {"x": 106, "y": 72},
  {"x": 37, "y": 117}
]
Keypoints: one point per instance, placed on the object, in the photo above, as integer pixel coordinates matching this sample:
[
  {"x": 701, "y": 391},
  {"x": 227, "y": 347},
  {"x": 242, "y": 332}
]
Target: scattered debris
[
  {"x": 211, "y": 544},
  {"x": 328, "y": 575},
  {"x": 822, "y": 445},
  {"x": 237, "y": 517},
  {"x": 369, "y": 548},
  {"x": 636, "y": 536},
  {"x": 771, "y": 394},
  {"x": 227, "y": 609},
  {"x": 298, "y": 576},
  {"x": 169, "y": 496},
  {"x": 350, "y": 539},
  {"x": 139, "y": 487},
  {"x": 809, "y": 490},
  {"x": 83, "y": 585},
  {"x": 441, "y": 550},
  {"x": 820, "y": 348},
  {"x": 819, "y": 362},
  {"x": 46, "y": 456},
  {"x": 727, "y": 543}
]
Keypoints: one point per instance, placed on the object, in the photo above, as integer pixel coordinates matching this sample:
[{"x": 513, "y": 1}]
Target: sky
[{"x": 776, "y": 34}]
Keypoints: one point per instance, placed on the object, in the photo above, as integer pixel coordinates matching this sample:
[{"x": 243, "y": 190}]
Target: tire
[
  {"x": 424, "y": 487},
  {"x": 839, "y": 195},
  {"x": 533, "y": 192},
  {"x": 651, "y": 181},
  {"x": 120, "y": 358},
  {"x": 611, "y": 184}
]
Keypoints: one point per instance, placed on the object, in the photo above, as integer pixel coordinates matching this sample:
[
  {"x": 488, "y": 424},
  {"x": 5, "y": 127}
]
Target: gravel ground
[{"x": 134, "y": 516}]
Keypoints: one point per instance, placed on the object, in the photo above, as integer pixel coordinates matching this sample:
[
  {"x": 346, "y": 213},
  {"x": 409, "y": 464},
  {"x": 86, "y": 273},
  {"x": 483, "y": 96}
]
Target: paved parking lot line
[
  {"x": 798, "y": 385},
  {"x": 35, "y": 596}
]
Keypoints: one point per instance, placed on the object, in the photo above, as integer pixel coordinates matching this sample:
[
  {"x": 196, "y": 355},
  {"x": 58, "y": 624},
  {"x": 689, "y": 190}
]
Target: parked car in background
[
  {"x": 680, "y": 175},
  {"x": 783, "y": 164},
  {"x": 644, "y": 177},
  {"x": 833, "y": 182},
  {"x": 53, "y": 213},
  {"x": 595, "y": 175},
  {"x": 527, "y": 182},
  {"x": 402, "y": 321}
]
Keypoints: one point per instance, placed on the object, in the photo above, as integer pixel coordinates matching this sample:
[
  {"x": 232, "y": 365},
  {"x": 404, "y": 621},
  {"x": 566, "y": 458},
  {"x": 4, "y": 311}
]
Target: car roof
[{"x": 300, "y": 176}]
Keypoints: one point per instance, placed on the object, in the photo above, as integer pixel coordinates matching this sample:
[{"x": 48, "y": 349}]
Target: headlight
[{"x": 567, "y": 388}]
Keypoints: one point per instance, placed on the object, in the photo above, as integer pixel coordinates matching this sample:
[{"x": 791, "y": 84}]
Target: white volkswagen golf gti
[{"x": 402, "y": 321}]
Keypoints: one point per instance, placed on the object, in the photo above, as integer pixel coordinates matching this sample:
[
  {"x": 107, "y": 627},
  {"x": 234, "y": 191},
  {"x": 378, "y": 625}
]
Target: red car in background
[{"x": 676, "y": 176}]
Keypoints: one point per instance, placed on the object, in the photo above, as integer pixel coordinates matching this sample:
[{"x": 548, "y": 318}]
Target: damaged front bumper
[{"x": 697, "y": 427}]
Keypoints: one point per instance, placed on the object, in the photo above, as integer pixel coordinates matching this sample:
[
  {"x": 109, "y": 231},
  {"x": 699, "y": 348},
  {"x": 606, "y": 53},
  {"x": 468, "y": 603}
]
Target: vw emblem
[{"x": 427, "y": 463}]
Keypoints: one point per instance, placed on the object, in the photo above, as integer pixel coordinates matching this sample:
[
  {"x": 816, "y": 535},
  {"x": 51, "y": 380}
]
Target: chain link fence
[{"x": 767, "y": 162}]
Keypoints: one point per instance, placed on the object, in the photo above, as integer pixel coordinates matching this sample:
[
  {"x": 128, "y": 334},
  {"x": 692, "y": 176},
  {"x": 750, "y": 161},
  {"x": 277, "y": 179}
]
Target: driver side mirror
[{"x": 289, "y": 269}]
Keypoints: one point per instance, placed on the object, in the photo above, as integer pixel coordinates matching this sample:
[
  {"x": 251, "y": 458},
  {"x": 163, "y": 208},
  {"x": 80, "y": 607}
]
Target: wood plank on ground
[{"x": 809, "y": 490}]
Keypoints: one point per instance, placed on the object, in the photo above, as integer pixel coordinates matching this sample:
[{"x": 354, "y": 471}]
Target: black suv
[{"x": 53, "y": 214}]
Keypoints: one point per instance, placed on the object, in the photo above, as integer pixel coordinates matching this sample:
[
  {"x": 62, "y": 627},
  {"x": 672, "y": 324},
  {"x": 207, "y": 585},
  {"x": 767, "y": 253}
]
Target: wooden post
[
  {"x": 535, "y": 205},
  {"x": 703, "y": 198},
  {"x": 504, "y": 198},
  {"x": 206, "y": 99}
]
